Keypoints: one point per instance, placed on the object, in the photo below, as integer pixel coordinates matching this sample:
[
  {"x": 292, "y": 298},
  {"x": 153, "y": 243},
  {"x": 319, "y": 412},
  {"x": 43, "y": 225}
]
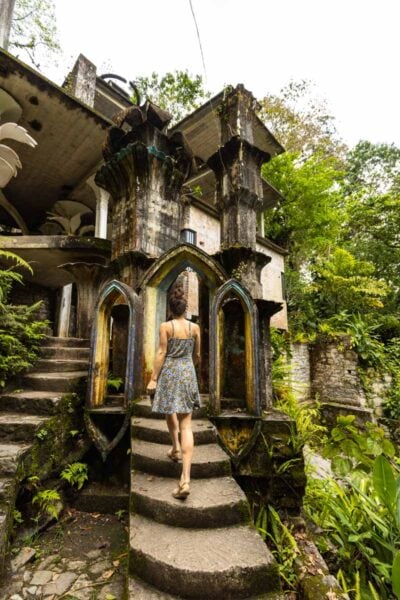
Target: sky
[{"x": 348, "y": 48}]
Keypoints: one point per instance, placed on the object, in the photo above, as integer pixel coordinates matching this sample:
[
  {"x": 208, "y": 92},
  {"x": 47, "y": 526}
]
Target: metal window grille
[{"x": 189, "y": 236}]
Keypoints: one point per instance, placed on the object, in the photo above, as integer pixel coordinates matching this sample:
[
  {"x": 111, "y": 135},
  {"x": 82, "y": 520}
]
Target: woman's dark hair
[{"x": 177, "y": 301}]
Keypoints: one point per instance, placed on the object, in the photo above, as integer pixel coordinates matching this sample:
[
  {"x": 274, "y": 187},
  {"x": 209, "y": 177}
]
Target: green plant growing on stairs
[
  {"x": 120, "y": 514},
  {"x": 17, "y": 517},
  {"x": 282, "y": 542},
  {"x": 114, "y": 383},
  {"x": 48, "y": 502},
  {"x": 42, "y": 434},
  {"x": 76, "y": 474}
]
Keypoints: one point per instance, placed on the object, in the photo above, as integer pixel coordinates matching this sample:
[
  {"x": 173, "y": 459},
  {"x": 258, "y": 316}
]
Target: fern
[
  {"x": 76, "y": 474},
  {"x": 20, "y": 332},
  {"x": 19, "y": 262},
  {"x": 49, "y": 502}
]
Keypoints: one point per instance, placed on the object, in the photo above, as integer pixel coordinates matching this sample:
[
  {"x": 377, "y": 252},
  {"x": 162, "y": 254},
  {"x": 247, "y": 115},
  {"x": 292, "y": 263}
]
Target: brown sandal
[
  {"x": 182, "y": 492},
  {"x": 174, "y": 455}
]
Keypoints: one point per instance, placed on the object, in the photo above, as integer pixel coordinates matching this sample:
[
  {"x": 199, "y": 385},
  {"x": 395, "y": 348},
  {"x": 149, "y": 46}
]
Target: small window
[{"x": 189, "y": 236}]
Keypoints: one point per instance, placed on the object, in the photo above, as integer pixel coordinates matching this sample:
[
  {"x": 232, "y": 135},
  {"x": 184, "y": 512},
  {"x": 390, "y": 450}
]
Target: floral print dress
[{"x": 177, "y": 390}]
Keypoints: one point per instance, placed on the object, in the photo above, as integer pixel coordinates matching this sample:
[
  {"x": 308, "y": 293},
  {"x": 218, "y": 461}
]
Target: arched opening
[
  {"x": 203, "y": 276},
  {"x": 234, "y": 353},
  {"x": 113, "y": 344},
  {"x": 233, "y": 385}
]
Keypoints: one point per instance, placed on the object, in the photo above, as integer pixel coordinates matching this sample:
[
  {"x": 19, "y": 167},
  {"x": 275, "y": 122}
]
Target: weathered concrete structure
[
  {"x": 165, "y": 202},
  {"x": 328, "y": 371}
]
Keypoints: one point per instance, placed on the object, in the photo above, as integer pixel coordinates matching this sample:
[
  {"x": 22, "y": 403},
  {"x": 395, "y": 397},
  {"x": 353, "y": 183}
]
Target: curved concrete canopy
[
  {"x": 10, "y": 110},
  {"x": 46, "y": 253}
]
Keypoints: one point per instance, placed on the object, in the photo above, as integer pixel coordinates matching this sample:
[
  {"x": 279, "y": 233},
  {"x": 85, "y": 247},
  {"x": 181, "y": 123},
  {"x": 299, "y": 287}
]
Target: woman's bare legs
[
  {"x": 173, "y": 428},
  {"x": 185, "y": 427}
]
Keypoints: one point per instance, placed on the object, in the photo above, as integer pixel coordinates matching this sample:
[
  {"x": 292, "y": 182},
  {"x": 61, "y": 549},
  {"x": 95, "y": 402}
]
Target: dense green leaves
[
  {"x": 20, "y": 332},
  {"x": 178, "y": 92},
  {"x": 308, "y": 221},
  {"x": 340, "y": 222},
  {"x": 373, "y": 168},
  {"x": 357, "y": 511},
  {"x": 396, "y": 574}
]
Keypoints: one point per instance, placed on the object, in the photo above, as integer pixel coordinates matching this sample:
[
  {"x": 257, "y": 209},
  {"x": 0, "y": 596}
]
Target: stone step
[
  {"x": 65, "y": 342},
  {"x": 57, "y": 352},
  {"x": 114, "y": 400},
  {"x": 10, "y": 455},
  {"x": 53, "y": 382},
  {"x": 143, "y": 409},
  {"x": 139, "y": 590},
  {"x": 155, "y": 430},
  {"x": 7, "y": 488},
  {"x": 216, "y": 502},
  {"x": 45, "y": 365},
  {"x": 19, "y": 427},
  {"x": 104, "y": 499},
  {"x": 228, "y": 562},
  {"x": 209, "y": 460},
  {"x": 39, "y": 403},
  {"x": 4, "y": 527}
]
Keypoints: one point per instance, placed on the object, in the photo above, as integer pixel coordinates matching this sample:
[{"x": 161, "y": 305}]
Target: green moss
[{"x": 53, "y": 445}]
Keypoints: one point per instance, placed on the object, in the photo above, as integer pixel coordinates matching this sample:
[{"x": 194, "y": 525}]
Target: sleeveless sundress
[{"x": 177, "y": 390}]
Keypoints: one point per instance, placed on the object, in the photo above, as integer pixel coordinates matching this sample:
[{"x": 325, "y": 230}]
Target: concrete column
[
  {"x": 89, "y": 278},
  {"x": 6, "y": 13},
  {"x": 83, "y": 80},
  {"x": 102, "y": 199},
  {"x": 65, "y": 311},
  {"x": 266, "y": 309},
  {"x": 83, "y": 86}
]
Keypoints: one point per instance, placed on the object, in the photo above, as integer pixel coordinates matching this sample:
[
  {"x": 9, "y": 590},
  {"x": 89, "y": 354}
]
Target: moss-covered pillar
[
  {"x": 240, "y": 188},
  {"x": 265, "y": 311},
  {"x": 144, "y": 173},
  {"x": 89, "y": 277}
]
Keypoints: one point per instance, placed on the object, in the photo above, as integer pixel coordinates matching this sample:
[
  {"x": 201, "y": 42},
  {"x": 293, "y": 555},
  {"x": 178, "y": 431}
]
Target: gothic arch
[
  {"x": 178, "y": 258},
  {"x": 157, "y": 280},
  {"x": 113, "y": 293},
  {"x": 235, "y": 288}
]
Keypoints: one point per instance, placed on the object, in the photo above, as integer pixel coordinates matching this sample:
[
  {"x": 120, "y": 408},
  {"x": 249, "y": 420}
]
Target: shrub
[
  {"x": 358, "y": 511},
  {"x": 20, "y": 333}
]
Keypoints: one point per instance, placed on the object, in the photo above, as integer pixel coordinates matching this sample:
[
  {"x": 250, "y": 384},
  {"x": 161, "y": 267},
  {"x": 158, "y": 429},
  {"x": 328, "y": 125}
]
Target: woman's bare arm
[
  {"x": 160, "y": 356},
  {"x": 196, "y": 351}
]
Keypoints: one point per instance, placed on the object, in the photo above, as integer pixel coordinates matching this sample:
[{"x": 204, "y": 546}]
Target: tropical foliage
[
  {"x": 357, "y": 511},
  {"x": 20, "y": 333},
  {"x": 177, "y": 92}
]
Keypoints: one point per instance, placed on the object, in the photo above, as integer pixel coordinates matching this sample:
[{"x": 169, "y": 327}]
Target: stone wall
[
  {"x": 334, "y": 376},
  {"x": 377, "y": 391},
  {"x": 329, "y": 371},
  {"x": 300, "y": 371}
]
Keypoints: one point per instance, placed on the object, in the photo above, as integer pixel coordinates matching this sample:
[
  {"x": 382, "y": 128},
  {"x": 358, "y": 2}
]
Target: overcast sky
[{"x": 349, "y": 48}]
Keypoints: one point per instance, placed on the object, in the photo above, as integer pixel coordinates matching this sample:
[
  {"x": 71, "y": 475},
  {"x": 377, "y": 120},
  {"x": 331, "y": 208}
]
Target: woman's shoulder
[{"x": 194, "y": 327}]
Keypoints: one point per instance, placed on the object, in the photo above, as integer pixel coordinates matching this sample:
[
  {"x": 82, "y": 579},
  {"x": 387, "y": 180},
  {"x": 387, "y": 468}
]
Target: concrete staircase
[
  {"x": 23, "y": 412},
  {"x": 204, "y": 547}
]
